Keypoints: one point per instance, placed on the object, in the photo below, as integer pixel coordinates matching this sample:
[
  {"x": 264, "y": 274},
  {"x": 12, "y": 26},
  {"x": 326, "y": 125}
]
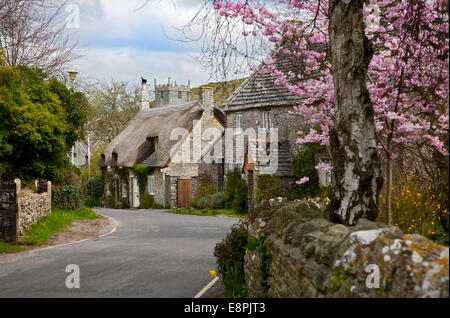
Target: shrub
[
  {"x": 92, "y": 203},
  {"x": 229, "y": 254},
  {"x": 269, "y": 187},
  {"x": 71, "y": 176},
  {"x": 146, "y": 201},
  {"x": 236, "y": 192},
  {"x": 95, "y": 188},
  {"x": 304, "y": 166},
  {"x": 206, "y": 187},
  {"x": 68, "y": 198},
  {"x": 416, "y": 209},
  {"x": 211, "y": 201}
]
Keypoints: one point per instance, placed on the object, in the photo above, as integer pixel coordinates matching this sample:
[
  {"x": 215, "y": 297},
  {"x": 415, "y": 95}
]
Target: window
[
  {"x": 151, "y": 184},
  {"x": 266, "y": 120},
  {"x": 238, "y": 121},
  {"x": 179, "y": 95}
]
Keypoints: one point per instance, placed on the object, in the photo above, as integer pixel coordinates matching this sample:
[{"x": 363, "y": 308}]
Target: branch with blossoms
[{"x": 408, "y": 73}]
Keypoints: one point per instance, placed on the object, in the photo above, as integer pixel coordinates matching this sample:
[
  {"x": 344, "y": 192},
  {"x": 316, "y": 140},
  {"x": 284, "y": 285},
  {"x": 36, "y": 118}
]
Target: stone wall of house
[
  {"x": 172, "y": 193},
  {"x": 312, "y": 257},
  {"x": 158, "y": 196},
  {"x": 28, "y": 207},
  {"x": 287, "y": 124}
]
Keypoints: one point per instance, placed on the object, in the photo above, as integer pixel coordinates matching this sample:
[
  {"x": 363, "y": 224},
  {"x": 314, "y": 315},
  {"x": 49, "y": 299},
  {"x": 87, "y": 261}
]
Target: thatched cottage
[{"x": 168, "y": 140}]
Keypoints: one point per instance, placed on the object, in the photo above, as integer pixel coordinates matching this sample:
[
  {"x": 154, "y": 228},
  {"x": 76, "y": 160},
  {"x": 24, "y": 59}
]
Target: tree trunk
[{"x": 356, "y": 164}]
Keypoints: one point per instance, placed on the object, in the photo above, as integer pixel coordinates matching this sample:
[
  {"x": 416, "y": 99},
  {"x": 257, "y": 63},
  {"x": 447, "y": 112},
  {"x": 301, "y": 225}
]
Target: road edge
[
  {"x": 79, "y": 241},
  {"x": 207, "y": 287}
]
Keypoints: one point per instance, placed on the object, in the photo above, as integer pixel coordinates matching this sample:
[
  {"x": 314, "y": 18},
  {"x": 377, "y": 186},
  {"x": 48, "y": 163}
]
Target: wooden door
[{"x": 184, "y": 193}]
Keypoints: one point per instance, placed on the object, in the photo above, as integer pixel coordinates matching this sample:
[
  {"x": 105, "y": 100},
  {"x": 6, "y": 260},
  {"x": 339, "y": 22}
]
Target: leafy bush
[
  {"x": 229, "y": 254},
  {"x": 211, "y": 201},
  {"x": 92, "y": 203},
  {"x": 146, "y": 201},
  {"x": 71, "y": 175},
  {"x": 141, "y": 172},
  {"x": 269, "y": 187},
  {"x": 68, "y": 198},
  {"x": 236, "y": 192},
  {"x": 304, "y": 166},
  {"x": 206, "y": 187},
  {"x": 95, "y": 188},
  {"x": 416, "y": 209}
]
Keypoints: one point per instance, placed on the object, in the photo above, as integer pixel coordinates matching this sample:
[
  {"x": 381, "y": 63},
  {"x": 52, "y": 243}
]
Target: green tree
[
  {"x": 113, "y": 105},
  {"x": 37, "y": 124}
]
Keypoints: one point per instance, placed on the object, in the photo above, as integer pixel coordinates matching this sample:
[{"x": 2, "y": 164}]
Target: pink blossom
[{"x": 302, "y": 180}]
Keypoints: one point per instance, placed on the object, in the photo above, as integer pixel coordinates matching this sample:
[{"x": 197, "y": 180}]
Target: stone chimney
[
  {"x": 206, "y": 96},
  {"x": 145, "y": 99}
]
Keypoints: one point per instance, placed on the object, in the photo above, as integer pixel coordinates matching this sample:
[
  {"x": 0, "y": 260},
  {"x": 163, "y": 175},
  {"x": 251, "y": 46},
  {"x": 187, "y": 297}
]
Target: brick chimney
[
  {"x": 145, "y": 99},
  {"x": 206, "y": 96}
]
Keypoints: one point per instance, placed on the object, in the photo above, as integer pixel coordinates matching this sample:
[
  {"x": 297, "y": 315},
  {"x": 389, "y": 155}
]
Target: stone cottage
[
  {"x": 261, "y": 103},
  {"x": 170, "y": 139}
]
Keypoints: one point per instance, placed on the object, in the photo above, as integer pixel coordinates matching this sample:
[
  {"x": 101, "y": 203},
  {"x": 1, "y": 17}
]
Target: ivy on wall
[{"x": 141, "y": 172}]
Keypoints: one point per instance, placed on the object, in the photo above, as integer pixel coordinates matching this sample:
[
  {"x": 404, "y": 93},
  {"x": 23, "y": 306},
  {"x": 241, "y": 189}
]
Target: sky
[{"x": 120, "y": 40}]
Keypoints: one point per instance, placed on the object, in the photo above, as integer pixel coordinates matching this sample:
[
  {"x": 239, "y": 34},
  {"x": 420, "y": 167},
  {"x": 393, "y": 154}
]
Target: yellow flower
[
  {"x": 432, "y": 222},
  {"x": 419, "y": 194},
  {"x": 212, "y": 273}
]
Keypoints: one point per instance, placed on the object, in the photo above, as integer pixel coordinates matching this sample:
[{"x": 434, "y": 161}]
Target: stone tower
[{"x": 171, "y": 93}]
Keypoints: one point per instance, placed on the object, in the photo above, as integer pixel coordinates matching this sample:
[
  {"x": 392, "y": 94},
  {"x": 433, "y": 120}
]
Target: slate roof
[
  {"x": 260, "y": 90},
  {"x": 283, "y": 166},
  {"x": 130, "y": 146}
]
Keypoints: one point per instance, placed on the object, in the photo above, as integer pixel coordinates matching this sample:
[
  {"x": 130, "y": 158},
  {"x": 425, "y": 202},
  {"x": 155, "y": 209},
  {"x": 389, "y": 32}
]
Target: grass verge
[
  {"x": 209, "y": 212},
  {"x": 6, "y": 248},
  {"x": 43, "y": 229}
]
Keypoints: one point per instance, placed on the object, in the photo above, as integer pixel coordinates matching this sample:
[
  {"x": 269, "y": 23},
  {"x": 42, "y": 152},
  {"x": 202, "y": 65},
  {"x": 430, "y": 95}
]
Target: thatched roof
[{"x": 135, "y": 143}]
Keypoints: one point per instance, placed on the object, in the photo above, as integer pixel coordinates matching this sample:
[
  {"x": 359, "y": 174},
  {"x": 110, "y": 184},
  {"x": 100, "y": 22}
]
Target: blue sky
[{"x": 122, "y": 43}]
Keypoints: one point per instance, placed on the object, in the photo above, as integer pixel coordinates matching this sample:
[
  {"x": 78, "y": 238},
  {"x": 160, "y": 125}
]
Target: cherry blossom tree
[{"x": 404, "y": 87}]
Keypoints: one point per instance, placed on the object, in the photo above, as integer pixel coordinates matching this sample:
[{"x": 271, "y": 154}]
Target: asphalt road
[{"x": 151, "y": 254}]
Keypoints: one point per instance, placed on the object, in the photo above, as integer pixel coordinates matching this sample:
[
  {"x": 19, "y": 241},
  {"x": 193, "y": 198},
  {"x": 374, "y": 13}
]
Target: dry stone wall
[
  {"x": 312, "y": 257},
  {"x": 33, "y": 206}
]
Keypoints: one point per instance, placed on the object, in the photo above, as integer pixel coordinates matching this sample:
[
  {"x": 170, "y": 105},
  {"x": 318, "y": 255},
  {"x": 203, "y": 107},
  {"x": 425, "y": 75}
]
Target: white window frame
[
  {"x": 266, "y": 120},
  {"x": 151, "y": 184},
  {"x": 238, "y": 123}
]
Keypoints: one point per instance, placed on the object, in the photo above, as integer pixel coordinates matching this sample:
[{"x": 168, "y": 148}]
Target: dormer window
[{"x": 114, "y": 159}]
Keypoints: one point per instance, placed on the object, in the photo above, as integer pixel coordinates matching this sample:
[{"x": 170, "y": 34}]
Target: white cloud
[
  {"x": 123, "y": 43},
  {"x": 129, "y": 64}
]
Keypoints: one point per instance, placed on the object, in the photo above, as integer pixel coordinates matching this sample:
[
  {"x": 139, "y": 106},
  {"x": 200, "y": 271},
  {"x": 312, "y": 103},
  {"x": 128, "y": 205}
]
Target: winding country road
[{"x": 151, "y": 254}]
